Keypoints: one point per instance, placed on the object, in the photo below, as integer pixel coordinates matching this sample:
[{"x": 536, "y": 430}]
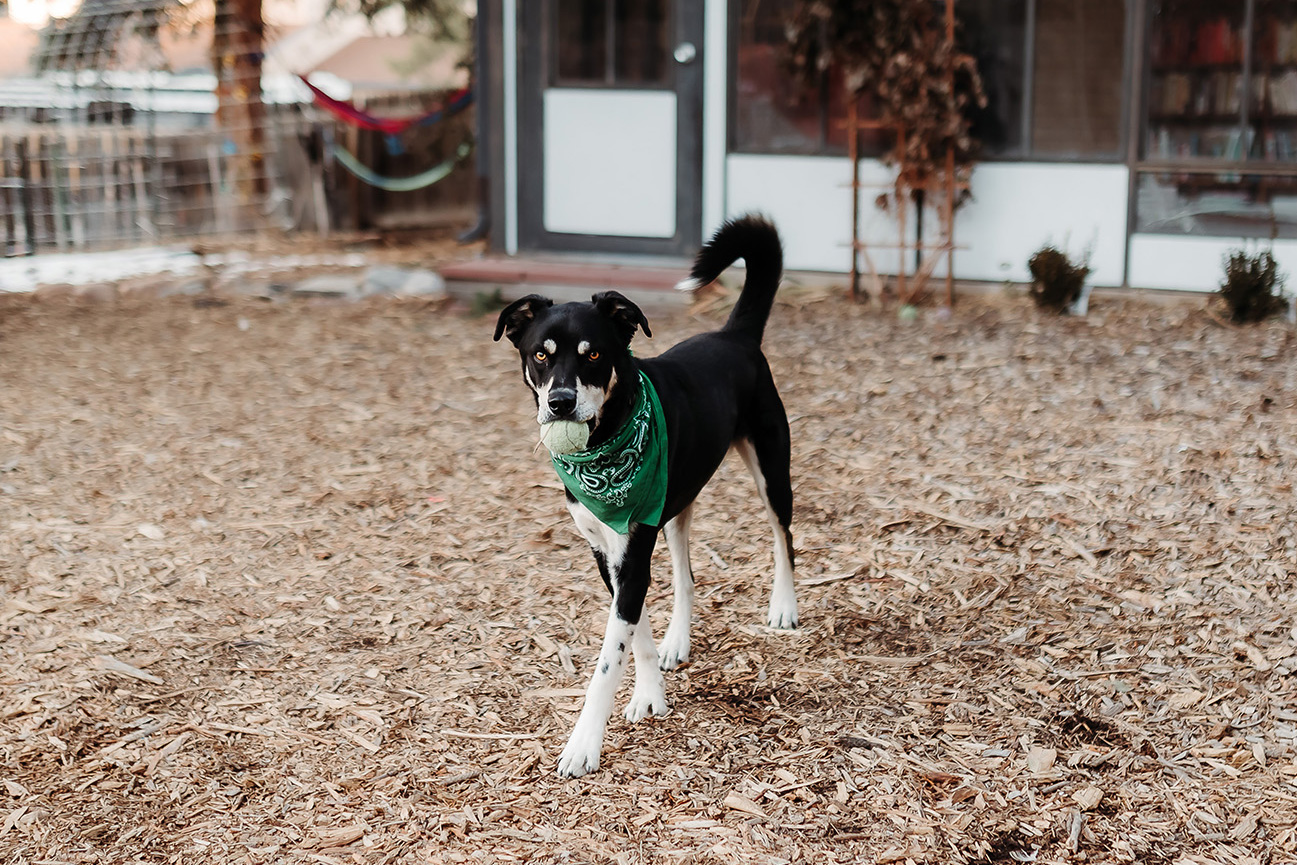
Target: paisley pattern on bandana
[{"x": 624, "y": 480}]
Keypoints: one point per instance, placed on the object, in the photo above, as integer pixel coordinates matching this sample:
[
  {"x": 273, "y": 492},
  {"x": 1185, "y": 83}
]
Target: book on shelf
[
  {"x": 1280, "y": 91},
  {"x": 1276, "y": 40}
]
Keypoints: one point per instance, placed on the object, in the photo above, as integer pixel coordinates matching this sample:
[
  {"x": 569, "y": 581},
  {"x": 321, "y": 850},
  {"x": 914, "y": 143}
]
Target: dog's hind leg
[
  {"x": 674, "y": 649},
  {"x": 767, "y": 458}
]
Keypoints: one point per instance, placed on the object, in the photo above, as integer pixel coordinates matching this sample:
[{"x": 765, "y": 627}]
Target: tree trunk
[{"x": 237, "y": 50}]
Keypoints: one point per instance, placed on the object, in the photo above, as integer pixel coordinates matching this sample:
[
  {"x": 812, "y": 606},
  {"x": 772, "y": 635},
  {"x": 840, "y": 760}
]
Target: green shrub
[
  {"x": 1055, "y": 282},
  {"x": 1253, "y": 286}
]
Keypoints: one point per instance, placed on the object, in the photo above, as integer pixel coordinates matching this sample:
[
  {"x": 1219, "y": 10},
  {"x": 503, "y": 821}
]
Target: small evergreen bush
[
  {"x": 1253, "y": 286},
  {"x": 1055, "y": 282}
]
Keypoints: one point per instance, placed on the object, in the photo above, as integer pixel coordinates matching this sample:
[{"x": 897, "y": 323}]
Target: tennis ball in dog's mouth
[{"x": 564, "y": 436}]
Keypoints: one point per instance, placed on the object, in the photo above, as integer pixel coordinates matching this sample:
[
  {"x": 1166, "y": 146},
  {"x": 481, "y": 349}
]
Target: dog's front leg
[
  {"x": 650, "y": 695},
  {"x": 581, "y": 753},
  {"x": 628, "y": 577}
]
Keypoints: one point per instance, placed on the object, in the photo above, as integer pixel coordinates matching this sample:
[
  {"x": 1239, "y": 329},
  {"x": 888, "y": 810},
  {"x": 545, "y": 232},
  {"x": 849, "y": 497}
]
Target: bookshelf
[
  {"x": 1222, "y": 92},
  {"x": 1205, "y": 58}
]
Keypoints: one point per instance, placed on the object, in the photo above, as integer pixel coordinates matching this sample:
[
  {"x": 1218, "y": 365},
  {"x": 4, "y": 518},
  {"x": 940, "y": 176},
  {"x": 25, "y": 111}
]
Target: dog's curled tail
[{"x": 754, "y": 239}]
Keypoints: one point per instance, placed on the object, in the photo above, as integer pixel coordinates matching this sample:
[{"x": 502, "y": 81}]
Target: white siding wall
[
  {"x": 1197, "y": 263},
  {"x": 1016, "y": 208},
  {"x": 809, "y": 198}
]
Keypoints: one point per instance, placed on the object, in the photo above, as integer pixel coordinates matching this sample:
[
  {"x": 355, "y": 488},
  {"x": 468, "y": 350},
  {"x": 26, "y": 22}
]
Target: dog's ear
[
  {"x": 515, "y": 317},
  {"x": 625, "y": 314}
]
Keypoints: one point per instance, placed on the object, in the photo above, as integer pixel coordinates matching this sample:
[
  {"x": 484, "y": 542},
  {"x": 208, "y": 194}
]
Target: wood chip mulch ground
[{"x": 288, "y": 583}]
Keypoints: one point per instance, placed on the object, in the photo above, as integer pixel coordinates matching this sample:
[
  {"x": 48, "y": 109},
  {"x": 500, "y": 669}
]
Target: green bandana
[{"x": 624, "y": 480}]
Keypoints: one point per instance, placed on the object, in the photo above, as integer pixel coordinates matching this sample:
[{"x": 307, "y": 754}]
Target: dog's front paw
[
  {"x": 580, "y": 755},
  {"x": 674, "y": 649},
  {"x": 782, "y": 613},
  {"x": 643, "y": 705}
]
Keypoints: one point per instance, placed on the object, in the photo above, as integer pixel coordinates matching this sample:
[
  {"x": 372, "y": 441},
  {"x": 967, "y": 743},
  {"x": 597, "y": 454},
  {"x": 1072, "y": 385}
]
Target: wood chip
[
  {"x": 1088, "y": 798},
  {"x": 340, "y": 836},
  {"x": 109, "y": 664},
  {"x": 1040, "y": 760},
  {"x": 736, "y": 802}
]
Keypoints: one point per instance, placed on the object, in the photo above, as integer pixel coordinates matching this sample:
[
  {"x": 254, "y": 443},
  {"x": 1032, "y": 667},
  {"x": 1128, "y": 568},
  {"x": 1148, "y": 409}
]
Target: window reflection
[
  {"x": 1076, "y": 103},
  {"x": 635, "y": 30},
  {"x": 582, "y": 43},
  {"x": 1273, "y": 108},
  {"x": 1217, "y": 204},
  {"x": 641, "y": 54},
  {"x": 775, "y": 113}
]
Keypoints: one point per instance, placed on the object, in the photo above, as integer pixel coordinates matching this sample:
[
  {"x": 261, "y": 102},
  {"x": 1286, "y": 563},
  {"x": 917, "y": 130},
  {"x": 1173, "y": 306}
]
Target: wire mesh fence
[
  {"x": 76, "y": 186},
  {"x": 100, "y": 147}
]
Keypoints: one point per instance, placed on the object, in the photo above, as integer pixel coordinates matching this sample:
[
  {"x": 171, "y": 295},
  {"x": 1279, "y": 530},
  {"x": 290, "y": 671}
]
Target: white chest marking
[{"x": 599, "y": 535}]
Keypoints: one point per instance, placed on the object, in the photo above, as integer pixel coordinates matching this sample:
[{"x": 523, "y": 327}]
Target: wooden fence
[{"x": 68, "y": 187}]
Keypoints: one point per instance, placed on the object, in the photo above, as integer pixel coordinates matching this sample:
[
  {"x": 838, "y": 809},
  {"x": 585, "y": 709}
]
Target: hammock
[
  {"x": 458, "y": 101},
  {"x": 400, "y": 184}
]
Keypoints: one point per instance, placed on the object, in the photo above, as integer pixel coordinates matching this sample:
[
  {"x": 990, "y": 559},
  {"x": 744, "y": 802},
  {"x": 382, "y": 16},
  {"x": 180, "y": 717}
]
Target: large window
[
  {"x": 1076, "y": 97},
  {"x": 772, "y": 112},
  {"x": 1222, "y": 80},
  {"x": 995, "y": 32},
  {"x": 1221, "y": 115},
  {"x": 1065, "y": 104}
]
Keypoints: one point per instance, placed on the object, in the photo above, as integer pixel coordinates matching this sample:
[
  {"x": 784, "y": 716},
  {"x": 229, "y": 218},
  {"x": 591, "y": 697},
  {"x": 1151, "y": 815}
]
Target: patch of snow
[
  {"x": 81, "y": 268},
  {"x": 84, "y": 268}
]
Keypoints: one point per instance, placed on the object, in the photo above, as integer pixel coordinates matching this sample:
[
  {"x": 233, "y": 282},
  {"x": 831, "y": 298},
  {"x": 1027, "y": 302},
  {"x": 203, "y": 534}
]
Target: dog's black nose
[{"x": 562, "y": 401}]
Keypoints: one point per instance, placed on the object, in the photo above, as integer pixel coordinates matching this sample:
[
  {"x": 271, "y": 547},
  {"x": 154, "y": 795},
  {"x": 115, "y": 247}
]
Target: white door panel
[{"x": 610, "y": 162}]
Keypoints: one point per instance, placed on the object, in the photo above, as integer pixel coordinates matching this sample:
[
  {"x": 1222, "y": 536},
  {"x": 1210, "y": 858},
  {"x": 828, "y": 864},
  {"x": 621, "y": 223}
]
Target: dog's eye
[
  {"x": 541, "y": 357},
  {"x": 594, "y": 355}
]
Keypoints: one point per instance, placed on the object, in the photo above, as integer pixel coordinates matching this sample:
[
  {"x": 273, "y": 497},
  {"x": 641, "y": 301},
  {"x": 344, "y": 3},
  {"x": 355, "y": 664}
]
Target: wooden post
[
  {"x": 97, "y": 215},
  {"x": 53, "y": 146},
  {"x": 237, "y": 47},
  {"x": 900, "y": 218},
  {"x": 220, "y": 197},
  {"x": 948, "y": 214},
  {"x": 353, "y": 183},
  {"x": 853, "y": 153},
  {"x": 144, "y": 218},
  {"x": 75, "y": 197},
  {"x": 6, "y": 202},
  {"x": 25, "y": 179},
  {"x": 112, "y": 209},
  {"x": 948, "y": 217}
]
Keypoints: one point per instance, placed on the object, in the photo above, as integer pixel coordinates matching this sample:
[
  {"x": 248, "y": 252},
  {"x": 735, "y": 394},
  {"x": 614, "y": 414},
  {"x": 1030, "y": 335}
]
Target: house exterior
[{"x": 1149, "y": 135}]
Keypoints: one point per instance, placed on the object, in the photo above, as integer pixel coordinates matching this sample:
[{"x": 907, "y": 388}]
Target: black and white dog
[{"x": 716, "y": 393}]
